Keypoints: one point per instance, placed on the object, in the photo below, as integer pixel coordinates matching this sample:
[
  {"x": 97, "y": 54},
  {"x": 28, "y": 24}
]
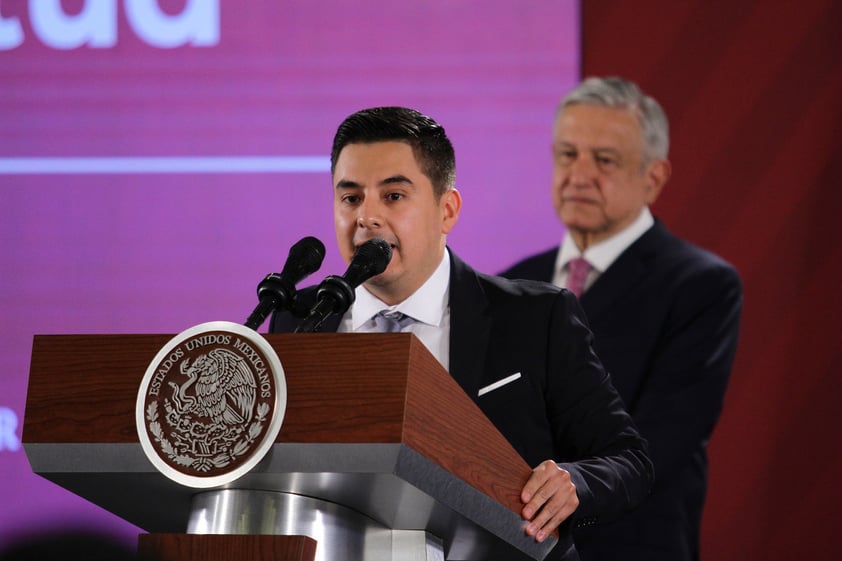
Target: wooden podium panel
[
  {"x": 193, "y": 547},
  {"x": 373, "y": 423}
]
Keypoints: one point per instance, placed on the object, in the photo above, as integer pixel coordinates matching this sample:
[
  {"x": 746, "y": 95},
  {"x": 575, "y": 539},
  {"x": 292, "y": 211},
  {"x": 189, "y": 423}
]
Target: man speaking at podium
[{"x": 520, "y": 349}]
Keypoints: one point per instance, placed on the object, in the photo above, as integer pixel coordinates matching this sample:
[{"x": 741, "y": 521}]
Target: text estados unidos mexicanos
[{"x": 261, "y": 371}]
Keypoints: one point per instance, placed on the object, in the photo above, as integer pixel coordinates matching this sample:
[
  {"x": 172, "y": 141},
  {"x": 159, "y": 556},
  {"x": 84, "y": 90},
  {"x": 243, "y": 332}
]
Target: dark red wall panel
[{"x": 754, "y": 95}]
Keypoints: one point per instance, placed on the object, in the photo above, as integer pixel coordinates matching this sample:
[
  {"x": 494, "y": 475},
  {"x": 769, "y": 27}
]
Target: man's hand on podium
[{"x": 550, "y": 498}]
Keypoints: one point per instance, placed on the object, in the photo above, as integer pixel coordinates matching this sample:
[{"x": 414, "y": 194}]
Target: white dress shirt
[
  {"x": 600, "y": 255},
  {"x": 428, "y": 306}
]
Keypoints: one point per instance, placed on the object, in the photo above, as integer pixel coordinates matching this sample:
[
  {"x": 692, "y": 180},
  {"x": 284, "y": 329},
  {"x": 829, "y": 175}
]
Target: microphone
[
  {"x": 278, "y": 291},
  {"x": 336, "y": 294}
]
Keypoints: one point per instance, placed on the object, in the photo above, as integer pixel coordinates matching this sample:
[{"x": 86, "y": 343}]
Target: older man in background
[{"x": 665, "y": 313}]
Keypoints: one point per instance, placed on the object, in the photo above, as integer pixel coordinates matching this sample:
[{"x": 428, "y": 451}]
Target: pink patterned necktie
[{"x": 577, "y": 274}]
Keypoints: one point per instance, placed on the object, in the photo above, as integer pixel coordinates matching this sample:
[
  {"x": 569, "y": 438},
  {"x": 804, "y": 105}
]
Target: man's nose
[
  {"x": 583, "y": 170},
  {"x": 369, "y": 214}
]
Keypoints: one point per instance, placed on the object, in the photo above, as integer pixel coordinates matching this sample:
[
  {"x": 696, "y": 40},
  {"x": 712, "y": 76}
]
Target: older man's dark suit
[
  {"x": 563, "y": 407},
  {"x": 665, "y": 316}
]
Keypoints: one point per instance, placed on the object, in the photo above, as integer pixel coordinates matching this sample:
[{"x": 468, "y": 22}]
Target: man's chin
[
  {"x": 580, "y": 222},
  {"x": 379, "y": 281}
]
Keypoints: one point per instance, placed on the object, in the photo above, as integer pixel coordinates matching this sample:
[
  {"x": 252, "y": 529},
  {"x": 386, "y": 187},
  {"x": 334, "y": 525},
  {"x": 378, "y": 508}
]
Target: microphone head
[
  {"x": 305, "y": 257},
  {"x": 336, "y": 294},
  {"x": 370, "y": 260}
]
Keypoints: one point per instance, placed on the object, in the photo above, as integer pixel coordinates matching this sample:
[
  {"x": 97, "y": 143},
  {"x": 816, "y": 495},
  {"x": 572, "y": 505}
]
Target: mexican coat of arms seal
[{"x": 211, "y": 404}]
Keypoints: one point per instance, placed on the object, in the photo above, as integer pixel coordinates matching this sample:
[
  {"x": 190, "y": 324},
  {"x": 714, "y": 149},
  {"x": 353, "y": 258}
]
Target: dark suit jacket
[
  {"x": 562, "y": 408},
  {"x": 665, "y": 316}
]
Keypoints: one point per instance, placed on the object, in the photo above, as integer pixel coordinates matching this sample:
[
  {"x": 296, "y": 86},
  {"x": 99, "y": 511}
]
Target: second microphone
[{"x": 336, "y": 294}]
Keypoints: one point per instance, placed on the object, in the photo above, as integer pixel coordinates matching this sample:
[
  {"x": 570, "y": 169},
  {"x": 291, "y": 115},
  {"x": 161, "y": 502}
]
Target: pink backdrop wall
[{"x": 155, "y": 164}]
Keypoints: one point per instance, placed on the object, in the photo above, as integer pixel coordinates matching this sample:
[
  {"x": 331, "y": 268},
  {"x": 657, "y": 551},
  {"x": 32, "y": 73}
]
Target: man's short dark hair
[{"x": 428, "y": 140}]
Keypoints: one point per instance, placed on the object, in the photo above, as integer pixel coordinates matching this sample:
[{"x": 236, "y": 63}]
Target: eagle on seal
[{"x": 224, "y": 389}]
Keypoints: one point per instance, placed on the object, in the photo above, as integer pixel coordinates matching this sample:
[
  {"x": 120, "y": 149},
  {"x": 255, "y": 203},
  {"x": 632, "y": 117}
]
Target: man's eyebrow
[
  {"x": 606, "y": 149},
  {"x": 347, "y": 184},
  {"x": 391, "y": 180},
  {"x": 396, "y": 179},
  {"x": 567, "y": 145}
]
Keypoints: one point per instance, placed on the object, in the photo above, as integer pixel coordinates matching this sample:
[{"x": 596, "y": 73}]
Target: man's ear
[
  {"x": 657, "y": 175},
  {"x": 451, "y": 205}
]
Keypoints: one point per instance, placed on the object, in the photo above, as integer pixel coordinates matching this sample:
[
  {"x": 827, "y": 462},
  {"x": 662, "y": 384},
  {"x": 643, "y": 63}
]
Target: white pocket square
[{"x": 498, "y": 384}]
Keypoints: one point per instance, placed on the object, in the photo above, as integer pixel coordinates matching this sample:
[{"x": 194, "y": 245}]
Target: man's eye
[
  {"x": 350, "y": 199},
  {"x": 394, "y": 196},
  {"x": 565, "y": 156},
  {"x": 606, "y": 162}
]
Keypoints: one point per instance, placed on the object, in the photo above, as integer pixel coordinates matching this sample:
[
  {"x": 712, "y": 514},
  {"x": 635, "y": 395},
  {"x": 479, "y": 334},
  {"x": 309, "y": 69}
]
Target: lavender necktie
[
  {"x": 391, "y": 321},
  {"x": 577, "y": 274}
]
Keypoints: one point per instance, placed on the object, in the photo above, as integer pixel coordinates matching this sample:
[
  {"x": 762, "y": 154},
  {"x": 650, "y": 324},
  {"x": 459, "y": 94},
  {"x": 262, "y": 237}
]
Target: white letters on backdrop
[{"x": 95, "y": 26}]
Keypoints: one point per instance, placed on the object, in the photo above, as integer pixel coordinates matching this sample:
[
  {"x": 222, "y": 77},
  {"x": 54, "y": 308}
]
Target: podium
[{"x": 381, "y": 455}]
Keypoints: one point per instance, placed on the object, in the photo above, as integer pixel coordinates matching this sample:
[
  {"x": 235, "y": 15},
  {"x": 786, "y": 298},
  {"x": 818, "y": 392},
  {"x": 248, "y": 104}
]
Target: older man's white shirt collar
[
  {"x": 427, "y": 304},
  {"x": 601, "y": 255}
]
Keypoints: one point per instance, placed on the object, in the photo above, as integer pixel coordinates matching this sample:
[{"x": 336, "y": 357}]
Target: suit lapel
[
  {"x": 623, "y": 276},
  {"x": 470, "y": 327}
]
